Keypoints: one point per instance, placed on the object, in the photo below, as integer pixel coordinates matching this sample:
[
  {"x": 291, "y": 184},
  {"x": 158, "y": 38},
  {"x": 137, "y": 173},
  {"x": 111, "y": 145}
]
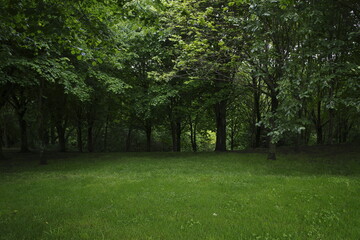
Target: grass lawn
[{"x": 181, "y": 196}]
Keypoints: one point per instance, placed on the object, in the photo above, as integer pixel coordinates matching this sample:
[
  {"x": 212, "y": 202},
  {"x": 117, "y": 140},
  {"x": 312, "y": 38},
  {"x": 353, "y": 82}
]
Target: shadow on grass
[{"x": 314, "y": 161}]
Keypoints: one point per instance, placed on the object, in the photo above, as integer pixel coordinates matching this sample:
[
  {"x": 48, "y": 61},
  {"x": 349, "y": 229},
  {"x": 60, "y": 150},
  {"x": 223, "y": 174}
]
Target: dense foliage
[{"x": 178, "y": 75}]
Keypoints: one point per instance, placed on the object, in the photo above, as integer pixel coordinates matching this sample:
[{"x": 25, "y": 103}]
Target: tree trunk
[
  {"x": 193, "y": 134},
  {"x": 61, "y": 137},
  {"x": 2, "y": 157},
  {"x": 23, "y": 134},
  {"x": 319, "y": 135},
  {"x": 232, "y": 135},
  {"x": 272, "y": 150},
  {"x": 90, "y": 119},
  {"x": 47, "y": 137},
  {"x": 272, "y": 143},
  {"x": 90, "y": 138},
  {"x": 148, "y": 131},
  {"x": 220, "y": 114},
  {"x": 173, "y": 135},
  {"x": 257, "y": 112},
  {"x": 52, "y": 136},
  {"x": 178, "y": 136},
  {"x": 194, "y": 143},
  {"x": 232, "y": 141},
  {"x": 106, "y": 133},
  {"x": 331, "y": 126},
  {"x": 79, "y": 136},
  {"x": 43, "y": 160},
  {"x": 257, "y": 136},
  {"x": 5, "y": 91},
  {"x": 5, "y": 137},
  {"x": 319, "y": 127},
  {"x": 128, "y": 140}
]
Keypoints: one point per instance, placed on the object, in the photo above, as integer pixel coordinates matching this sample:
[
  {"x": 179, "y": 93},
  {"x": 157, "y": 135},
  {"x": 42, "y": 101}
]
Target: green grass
[{"x": 181, "y": 196}]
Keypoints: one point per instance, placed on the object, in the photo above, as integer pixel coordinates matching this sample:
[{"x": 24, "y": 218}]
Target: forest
[
  {"x": 178, "y": 75},
  {"x": 180, "y": 119}
]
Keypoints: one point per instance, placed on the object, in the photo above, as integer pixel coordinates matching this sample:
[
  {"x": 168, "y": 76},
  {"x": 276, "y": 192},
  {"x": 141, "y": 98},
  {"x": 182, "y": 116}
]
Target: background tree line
[{"x": 178, "y": 75}]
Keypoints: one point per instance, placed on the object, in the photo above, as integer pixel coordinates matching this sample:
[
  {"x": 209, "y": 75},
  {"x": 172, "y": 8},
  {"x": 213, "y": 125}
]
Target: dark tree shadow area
[{"x": 304, "y": 161}]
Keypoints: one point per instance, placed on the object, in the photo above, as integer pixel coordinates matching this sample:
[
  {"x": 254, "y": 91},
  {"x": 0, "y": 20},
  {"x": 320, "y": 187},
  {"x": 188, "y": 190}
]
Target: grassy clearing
[{"x": 181, "y": 196}]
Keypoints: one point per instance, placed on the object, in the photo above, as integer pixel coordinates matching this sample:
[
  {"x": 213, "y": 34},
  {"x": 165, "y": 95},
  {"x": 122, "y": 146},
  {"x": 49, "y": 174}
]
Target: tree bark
[
  {"x": 5, "y": 92},
  {"x": 5, "y": 137},
  {"x": 319, "y": 126},
  {"x": 173, "y": 135},
  {"x": 90, "y": 119},
  {"x": 61, "y": 137},
  {"x": 331, "y": 126},
  {"x": 257, "y": 113},
  {"x": 90, "y": 138},
  {"x": 52, "y": 136},
  {"x": 220, "y": 115},
  {"x": 272, "y": 143},
  {"x": 148, "y": 130},
  {"x": 193, "y": 134},
  {"x": 178, "y": 136},
  {"x": 24, "y": 147},
  {"x": 106, "y": 132},
  {"x": 128, "y": 140},
  {"x": 79, "y": 136},
  {"x": 232, "y": 140},
  {"x": 43, "y": 160},
  {"x": 2, "y": 157},
  {"x": 19, "y": 102}
]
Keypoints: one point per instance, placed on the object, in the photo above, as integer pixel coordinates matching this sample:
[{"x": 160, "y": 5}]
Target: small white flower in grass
[{"x": 214, "y": 214}]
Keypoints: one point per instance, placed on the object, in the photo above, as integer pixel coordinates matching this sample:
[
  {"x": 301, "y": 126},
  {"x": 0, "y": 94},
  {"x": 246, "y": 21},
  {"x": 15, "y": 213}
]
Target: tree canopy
[{"x": 178, "y": 75}]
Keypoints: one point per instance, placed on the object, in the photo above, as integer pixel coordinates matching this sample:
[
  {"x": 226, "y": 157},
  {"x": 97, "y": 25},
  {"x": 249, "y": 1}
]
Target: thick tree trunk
[
  {"x": 47, "y": 137},
  {"x": 319, "y": 135},
  {"x": 18, "y": 101},
  {"x": 257, "y": 136},
  {"x": 220, "y": 115},
  {"x": 194, "y": 143},
  {"x": 344, "y": 129},
  {"x": 5, "y": 91},
  {"x": 52, "y": 136},
  {"x": 61, "y": 137},
  {"x": 272, "y": 150}
]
